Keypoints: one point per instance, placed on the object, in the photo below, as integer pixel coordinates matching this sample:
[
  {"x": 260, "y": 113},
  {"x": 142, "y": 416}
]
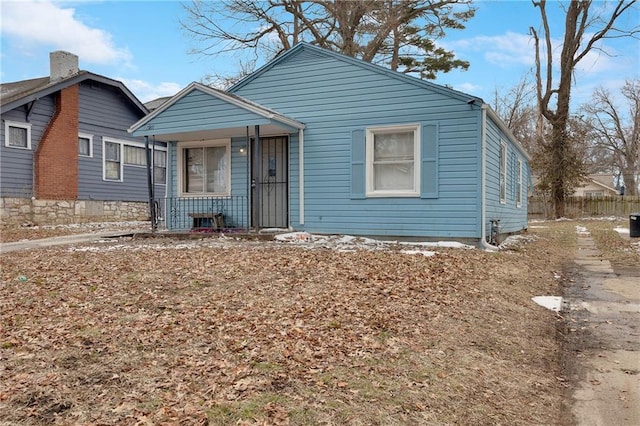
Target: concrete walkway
[
  {"x": 604, "y": 335},
  {"x": 60, "y": 240}
]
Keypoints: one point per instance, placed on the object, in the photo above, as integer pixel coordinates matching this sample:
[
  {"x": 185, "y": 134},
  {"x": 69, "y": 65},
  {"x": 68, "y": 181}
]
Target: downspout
[
  {"x": 301, "y": 172},
  {"x": 483, "y": 179}
]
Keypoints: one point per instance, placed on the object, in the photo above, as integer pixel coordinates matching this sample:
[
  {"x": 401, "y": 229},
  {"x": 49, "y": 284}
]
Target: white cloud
[
  {"x": 467, "y": 87},
  {"x": 502, "y": 50},
  {"x": 517, "y": 49},
  {"x": 146, "y": 91},
  {"x": 35, "y": 23}
]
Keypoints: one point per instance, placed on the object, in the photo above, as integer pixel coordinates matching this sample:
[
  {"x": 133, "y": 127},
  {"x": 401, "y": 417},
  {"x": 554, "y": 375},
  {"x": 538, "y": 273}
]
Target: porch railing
[{"x": 204, "y": 214}]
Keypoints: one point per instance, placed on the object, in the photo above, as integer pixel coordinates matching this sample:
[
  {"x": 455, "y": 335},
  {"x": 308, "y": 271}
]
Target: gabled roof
[
  {"x": 302, "y": 46},
  {"x": 18, "y": 93},
  {"x": 230, "y": 98},
  {"x": 597, "y": 181},
  {"x": 358, "y": 62},
  {"x": 154, "y": 104}
]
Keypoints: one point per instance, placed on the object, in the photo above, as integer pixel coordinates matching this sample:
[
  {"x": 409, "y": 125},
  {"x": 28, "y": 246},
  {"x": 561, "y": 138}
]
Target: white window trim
[
  {"x": 370, "y": 132},
  {"x": 202, "y": 144},
  {"x": 519, "y": 185},
  {"x": 90, "y": 137},
  {"x": 502, "y": 172},
  {"x": 22, "y": 125},
  {"x": 104, "y": 159}
]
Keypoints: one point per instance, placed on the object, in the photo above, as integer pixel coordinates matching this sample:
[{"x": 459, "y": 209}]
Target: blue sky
[{"x": 141, "y": 44}]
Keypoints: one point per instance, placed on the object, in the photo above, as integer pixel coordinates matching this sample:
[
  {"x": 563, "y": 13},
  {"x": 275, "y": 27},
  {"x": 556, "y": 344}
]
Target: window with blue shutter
[{"x": 429, "y": 166}]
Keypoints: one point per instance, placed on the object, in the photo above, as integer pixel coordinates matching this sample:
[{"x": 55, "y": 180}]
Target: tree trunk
[{"x": 558, "y": 149}]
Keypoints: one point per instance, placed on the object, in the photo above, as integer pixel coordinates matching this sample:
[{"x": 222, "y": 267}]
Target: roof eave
[
  {"x": 234, "y": 100},
  {"x": 70, "y": 81}
]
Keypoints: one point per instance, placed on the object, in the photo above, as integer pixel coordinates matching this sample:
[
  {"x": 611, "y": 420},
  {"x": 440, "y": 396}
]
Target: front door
[{"x": 270, "y": 198}]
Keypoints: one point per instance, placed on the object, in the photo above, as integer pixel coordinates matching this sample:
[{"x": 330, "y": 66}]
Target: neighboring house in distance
[
  {"x": 320, "y": 142},
  {"x": 156, "y": 103},
  {"x": 66, "y": 155},
  {"x": 593, "y": 186},
  {"x": 597, "y": 185}
]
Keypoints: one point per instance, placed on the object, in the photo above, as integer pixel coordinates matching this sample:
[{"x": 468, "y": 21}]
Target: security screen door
[{"x": 272, "y": 186}]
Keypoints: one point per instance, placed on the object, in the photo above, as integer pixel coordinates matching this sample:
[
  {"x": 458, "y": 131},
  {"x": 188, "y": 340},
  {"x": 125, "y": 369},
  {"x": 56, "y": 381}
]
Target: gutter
[{"x": 483, "y": 208}]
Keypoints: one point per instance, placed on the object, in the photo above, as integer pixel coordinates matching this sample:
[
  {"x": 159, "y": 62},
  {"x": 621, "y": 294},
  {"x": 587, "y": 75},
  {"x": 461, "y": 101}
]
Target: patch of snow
[
  {"x": 581, "y": 230},
  {"x": 90, "y": 226},
  {"x": 443, "y": 244},
  {"x": 553, "y": 303},
  {"x": 294, "y": 237},
  {"x": 538, "y": 227},
  {"x": 422, "y": 252},
  {"x": 516, "y": 241},
  {"x": 622, "y": 230},
  {"x": 340, "y": 243}
]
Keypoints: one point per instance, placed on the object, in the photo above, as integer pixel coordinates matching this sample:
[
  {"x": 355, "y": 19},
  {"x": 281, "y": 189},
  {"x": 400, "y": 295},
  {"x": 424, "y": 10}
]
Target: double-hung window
[
  {"x": 17, "y": 135},
  {"x": 393, "y": 161},
  {"x": 112, "y": 152},
  {"x": 503, "y": 172},
  {"x": 205, "y": 168},
  {"x": 85, "y": 145}
]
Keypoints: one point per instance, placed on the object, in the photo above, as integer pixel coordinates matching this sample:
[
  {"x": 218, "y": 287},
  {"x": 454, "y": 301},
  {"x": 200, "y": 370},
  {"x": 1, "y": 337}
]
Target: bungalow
[
  {"x": 66, "y": 155},
  {"x": 325, "y": 143}
]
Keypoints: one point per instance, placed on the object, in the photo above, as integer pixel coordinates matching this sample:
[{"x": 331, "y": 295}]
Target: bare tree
[
  {"x": 517, "y": 108},
  {"x": 581, "y": 33},
  {"x": 398, "y": 33},
  {"x": 618, "y": 131}
]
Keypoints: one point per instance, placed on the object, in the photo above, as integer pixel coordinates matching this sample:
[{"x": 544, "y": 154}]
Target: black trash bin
[{"x": 634, "y": 225}]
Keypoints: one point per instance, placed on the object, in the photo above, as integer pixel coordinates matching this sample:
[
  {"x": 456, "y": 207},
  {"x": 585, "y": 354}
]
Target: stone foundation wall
[{"x": 59, "y": 212}]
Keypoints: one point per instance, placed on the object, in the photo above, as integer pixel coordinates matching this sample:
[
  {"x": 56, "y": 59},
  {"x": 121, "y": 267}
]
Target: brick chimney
[{"x": 62, "y": 65}]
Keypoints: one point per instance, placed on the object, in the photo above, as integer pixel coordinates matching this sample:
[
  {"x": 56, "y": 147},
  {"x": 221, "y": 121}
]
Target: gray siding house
[
  {"x": 65, "y": 153},
  {"x": 320, "y": 142}
]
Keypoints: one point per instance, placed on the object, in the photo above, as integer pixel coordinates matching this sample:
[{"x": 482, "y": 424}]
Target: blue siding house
[
  {"x": 66, "y": 154},
  {"x": 325, "y": 143}
]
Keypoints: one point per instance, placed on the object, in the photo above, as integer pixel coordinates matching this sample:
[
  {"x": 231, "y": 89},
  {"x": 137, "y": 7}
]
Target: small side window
[
  {"x": 17, "y": 135},
  {"x": 519, "y": 184},
  {"x": 85, "y": 145},
  {"x": 503, "y": 173}
]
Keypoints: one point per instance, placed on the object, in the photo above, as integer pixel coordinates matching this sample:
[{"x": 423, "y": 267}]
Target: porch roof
[{"x": 201, "y": 112}]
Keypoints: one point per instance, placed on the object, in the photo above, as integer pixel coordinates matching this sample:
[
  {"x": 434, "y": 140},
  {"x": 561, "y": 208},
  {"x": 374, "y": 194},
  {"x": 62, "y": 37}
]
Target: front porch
[{"x": 230, "y": 162}]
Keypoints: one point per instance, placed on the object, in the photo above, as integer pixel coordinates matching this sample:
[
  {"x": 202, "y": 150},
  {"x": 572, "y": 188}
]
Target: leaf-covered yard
[{"x": 161, "y": 331}]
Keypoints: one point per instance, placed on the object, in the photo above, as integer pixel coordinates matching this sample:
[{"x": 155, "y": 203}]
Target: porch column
[{"x": 257, "y": 179}]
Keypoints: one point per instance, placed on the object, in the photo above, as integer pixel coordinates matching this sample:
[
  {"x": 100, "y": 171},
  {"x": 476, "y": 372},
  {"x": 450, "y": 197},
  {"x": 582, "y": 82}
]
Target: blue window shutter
[
  {"x": 358, "y": 165},
  {"x": 429, "y": 166}
]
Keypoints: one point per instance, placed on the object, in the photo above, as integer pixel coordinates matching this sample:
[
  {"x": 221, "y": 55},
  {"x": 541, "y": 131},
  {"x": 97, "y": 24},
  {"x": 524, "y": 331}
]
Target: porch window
[
  {"x": 17, "y": 135},
  {"x": 205, "y": 169},
  {"x": 393, "y": 166}
]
